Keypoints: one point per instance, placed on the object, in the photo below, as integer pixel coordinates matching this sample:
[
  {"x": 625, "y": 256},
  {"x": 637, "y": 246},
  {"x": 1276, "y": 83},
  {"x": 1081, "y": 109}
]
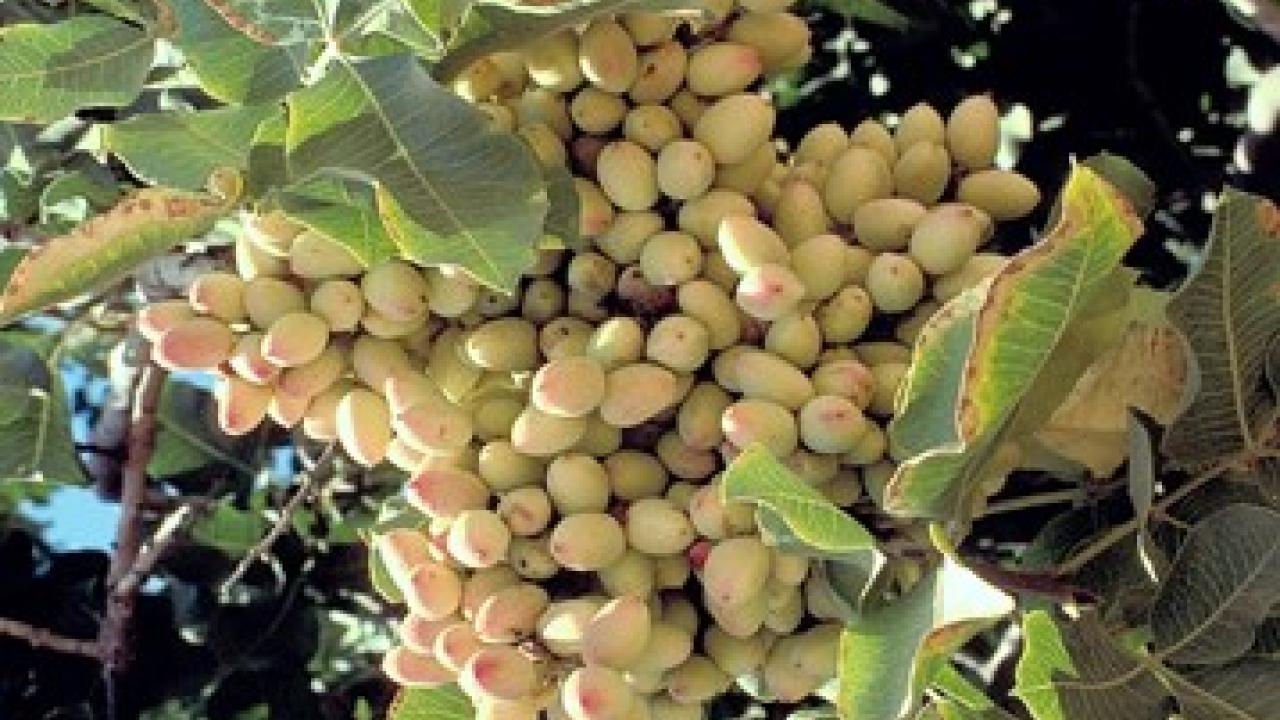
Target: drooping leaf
[
  {"x": 181, "y": 149},
  {"x": 1244, "y": 690},
  {"x": 448, "y": 191},
  {"x": 495, "y": 25},
  {"x": 890, "y": 654},
  {"x": 35, "y": 434},
  {"x": 49, "y": 71},
  {"x": 72, "y": 197},
  {"x": 344, "y": 210},
  {"x": 1046, "y": 317},
  {"x": 1077, "y": 671},
  {"x": 1223, "y": 584},
  {"x": 926, "y": 417},
  {"x": 106, "y": 248},
  {"x": 1147, "y": 371},
  {"x": 1229, "y": 312},
  {"x": 230, "y": 66},
  {"x": 445, "y": 703}
]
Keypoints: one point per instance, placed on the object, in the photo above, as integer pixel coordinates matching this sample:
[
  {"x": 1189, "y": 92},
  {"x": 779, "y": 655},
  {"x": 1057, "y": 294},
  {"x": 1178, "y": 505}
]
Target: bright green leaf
[
  {"x": 563, "y": 215},
  {"x": 49, "y": 71},
  {"x": 181, "y": 149},
  {"x": 1076, "y": 671},
  {"x": 106, "y": 248},
  {"x": 445, "y": 703},
  {"x": 1223, "y": 584},
  {"x": 1229, "y": 312},
  {"x": 448, "y": 191},
  {"x": 344, "y": 210},
  {"x": 230, "y": 530},
  {"x": 889, "y": 655}
]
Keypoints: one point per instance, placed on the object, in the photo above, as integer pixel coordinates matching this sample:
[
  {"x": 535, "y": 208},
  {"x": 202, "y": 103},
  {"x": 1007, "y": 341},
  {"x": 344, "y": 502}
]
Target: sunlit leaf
[
  {"x": 230, "y": 530},
  {"x": 1046, "y": 317},
  {"x": 48, "y": 71},
  {"x": 446, "y": 703},
  {"x": 449, "y": 191},
  {"x": 1223, "y": 584},
  {"x": 278, "y": 22},
  {"x": 344, "y": 210},
  {"x": 890, "y": 654},
  {"x": 106, "y": 248},
  {"x": 181, "y": 149},
  {"x": 1229, "y": 312}
]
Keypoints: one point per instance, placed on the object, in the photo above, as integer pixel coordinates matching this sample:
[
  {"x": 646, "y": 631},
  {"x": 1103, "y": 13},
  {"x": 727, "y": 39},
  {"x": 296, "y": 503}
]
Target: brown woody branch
[{"x": 43, "y": 639}]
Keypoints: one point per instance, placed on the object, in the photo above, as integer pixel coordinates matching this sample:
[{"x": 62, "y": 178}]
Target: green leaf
[
  {"x": 444, "y": 703},
  {"x": 74, "y": 196},
  {"x": 1076, "y": 671},
  {"x": 1045, "y": 318},
  {"x": 344, "y": 210},
  {"x": 106, "y": 248},
  {"x": 188, "y": 438},
  {"x": 1229, "y": 312},
  {"x": 1245, "y": 690},
  {"x": 563, "y": 215},
  {"x": 267, "y": 170},
  {"x": 181, "y": 149},
  {"x": 230, "y": 66},
  {"x": 450, "y": 190},
  {"x": 757, "y": 477},
  {"x": 927, "y": 402},
  {"x": 890, "y": 654},
  {"x": 957, "y": 687},
  {"x": 876, "y": 12},
  {"x": 230, "y": 530},
  {"x": 1222, "y": 586},
  {"x": 35, "y": 436},
  {"x": 279, "y": 22},
  {"x": 495, "y": 25},
  {"x": 49, "y": 71},
  {"x": 395, "y": 512}
]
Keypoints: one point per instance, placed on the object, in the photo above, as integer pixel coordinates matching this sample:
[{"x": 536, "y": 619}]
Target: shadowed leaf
[{"x": 1229, "y": 312}]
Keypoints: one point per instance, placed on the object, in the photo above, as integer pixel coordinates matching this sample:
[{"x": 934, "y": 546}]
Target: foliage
[{"x": 340, "y": 115}]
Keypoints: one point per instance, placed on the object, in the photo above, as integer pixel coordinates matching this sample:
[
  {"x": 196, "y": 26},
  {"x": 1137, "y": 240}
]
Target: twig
[
  {"x": 1120, "y": 532},
  {"x": 1045, "y": 583},
  {"x": 1025, "y": 502},
  {"x": 170, "y": 530},
  {"x": 305, "y": 482},
  {"x": 112, "y": 636},
  {"x": 41, "y": 638}
]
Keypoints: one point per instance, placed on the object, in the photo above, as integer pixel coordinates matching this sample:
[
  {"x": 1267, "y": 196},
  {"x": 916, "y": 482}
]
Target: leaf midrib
[
  {"x": 403, "y": 151},
  {"x": 143, "y": 39}
]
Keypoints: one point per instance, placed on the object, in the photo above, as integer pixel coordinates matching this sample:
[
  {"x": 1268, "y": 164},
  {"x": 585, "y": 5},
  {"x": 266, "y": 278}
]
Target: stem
[
  {"x": 41, "y": 638},
  {"x": 112, "y": 636},
  {"x": 1120, "y": 532},
  {"x": 1070, "y": 495},
  {"x": 305, "y": 482}
]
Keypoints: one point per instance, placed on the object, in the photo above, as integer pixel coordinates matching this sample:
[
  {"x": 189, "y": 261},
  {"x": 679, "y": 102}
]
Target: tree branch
[
  {"x": 43, "y": 639},
  {"x": 112, "y": 636},
  {"x": 306, "y": 484}
]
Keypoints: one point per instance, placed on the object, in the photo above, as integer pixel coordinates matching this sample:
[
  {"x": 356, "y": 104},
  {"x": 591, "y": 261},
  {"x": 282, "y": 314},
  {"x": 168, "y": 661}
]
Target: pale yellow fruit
[
  {"x": 266, "y": 299},
  {"x": 628, "y": 175},
  {"x": 596, "y": 111},
  {"x": 734, "y": 126},
  {"x": 219, "y": 295},
  {"x": 800, "y": 213},
  {"x": 871, "y": 134},
  {"x": 295, "y": 339},
  {"x": 895, "y": 283},
  {"x": 746, "y": 243},
  {"x": 701, "y": 217},
  {"x": 607, "y": 56},
  {"x": 194, "y": 344},
  {"x": 1002, "y": 194},
  {"x": 920, "y": 123},
  {"x": 242, "y": 405},
  {"x": 777, "y": 36},
  {"x": 819, "y": 263},
  {"x": 751, "y": 175},
  {"x": 858, "y": 175},
  {"x": 723, "y": 68},
  {"x": 973, "y": 132},
  {"x": 660, "y": 73},
  {"x": 685, "y": 169},
  {"x": 822, "y": 144},
  {"x": 637, "y": 392},
  {"x": 340, "y": 303},
  {"x": 364, "y": 426},
  {"x": 651, "y": 126},
  {"x": 886, "y": 224},
  {"x": 552, "y": 61},
  {"x": 922, "y": 172},
  {"x": 316, "y": 256}
]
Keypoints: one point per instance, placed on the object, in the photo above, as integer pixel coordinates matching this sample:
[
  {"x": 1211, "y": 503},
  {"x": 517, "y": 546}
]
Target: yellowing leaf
[
  {"x": 106, "y": 248},
  {"x": 1147, "y": 371}
]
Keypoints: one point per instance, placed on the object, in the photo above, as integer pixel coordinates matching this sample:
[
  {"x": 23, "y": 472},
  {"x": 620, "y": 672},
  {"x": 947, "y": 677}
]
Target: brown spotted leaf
[{"x": 106, "y": 248}]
